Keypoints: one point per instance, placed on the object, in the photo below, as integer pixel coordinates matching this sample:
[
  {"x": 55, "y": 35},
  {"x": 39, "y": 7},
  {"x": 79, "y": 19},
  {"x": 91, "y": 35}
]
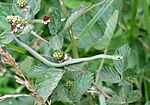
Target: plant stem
[
  {"x": 70, "y": 31},
  {"x": 146, "y": 16},
  {"x": 34, "y": 33},
  {"x": 100, "y": 67},
  {"x": 133, "y": 18},
  {"x": 68, "y": 62},
  {"x": 102, "y": 92}
]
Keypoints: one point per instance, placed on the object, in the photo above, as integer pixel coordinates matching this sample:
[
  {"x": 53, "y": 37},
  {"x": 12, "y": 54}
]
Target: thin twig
[
  {"x": 13, "y": 96},
  {"x": 35, "y": 34},
  {"x": 94, "y": 6},
  {"x": 100, "y": 67},
  {"x": 100, "y": 91}
]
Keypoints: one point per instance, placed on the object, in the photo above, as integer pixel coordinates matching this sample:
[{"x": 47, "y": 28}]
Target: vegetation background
[{"x": 127, "y": 82}]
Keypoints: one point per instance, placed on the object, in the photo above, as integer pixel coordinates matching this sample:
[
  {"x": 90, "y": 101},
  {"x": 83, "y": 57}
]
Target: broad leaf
[
  {"x": 80, "y": 85},
  {"x": 56, "y": 42},
  {"x": 122, "y": 64},
  {"x": 5, "y": 38},
  {"x": 116, "y": 100},
  {"x": 46, "y": 79},
  {"x": 108, "y": 34},
  {"x": 96, "y": 23},
  {"x": 110, "y": 74},
  {"x": 135, "y": 95},
  {"x": 56, "y": 24},
  {"x": 34, "y": 7},
  {"x": 77, "y": 67}
]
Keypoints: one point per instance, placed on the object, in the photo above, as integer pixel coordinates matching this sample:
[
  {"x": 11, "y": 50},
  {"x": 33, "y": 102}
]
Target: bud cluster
[
  {"x": 16, "y": 22},
  {"x": 16, "y": 19},
  {"x": 58, "y": 55},
  {"x": 68, "y": 85},
  {"x": 21, "y": 3}
]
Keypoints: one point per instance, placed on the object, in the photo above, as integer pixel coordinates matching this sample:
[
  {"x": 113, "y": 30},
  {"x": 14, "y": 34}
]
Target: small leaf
[
  {"x": 102, "y": 100},
  {"x": 5, "y": 38},
  {"x": 110, "y": 74},
  {"x": 122, "y": 64},
  {"x": 116, "y": 100},
  {"x": 135, "y": 95},
  {"x": 56, "y": 42},
  {"x": 80, "y": 85},
  {"x": 46, "y": 79}
]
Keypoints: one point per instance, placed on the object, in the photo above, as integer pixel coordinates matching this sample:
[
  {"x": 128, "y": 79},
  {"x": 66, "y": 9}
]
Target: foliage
[{"x": 92, "y": 29}]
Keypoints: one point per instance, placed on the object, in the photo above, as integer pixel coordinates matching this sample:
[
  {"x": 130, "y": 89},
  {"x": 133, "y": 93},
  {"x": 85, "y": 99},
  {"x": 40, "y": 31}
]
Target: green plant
[{"x": 74, "y": 52}]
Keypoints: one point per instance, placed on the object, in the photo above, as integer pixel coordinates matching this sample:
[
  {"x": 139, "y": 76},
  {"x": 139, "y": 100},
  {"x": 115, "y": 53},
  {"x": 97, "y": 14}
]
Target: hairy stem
[
  {"x": 68, "y": 62},
  {"x": 70, "y": 31},
  {"x": 35, "y": 34}
]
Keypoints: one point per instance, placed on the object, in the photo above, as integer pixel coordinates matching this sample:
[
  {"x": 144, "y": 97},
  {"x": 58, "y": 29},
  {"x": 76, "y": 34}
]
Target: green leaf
[
  {"x": 31, "y": 12},
  {"x": 77, "y": 67},
  {"x": 116, "y": 100},
  {"x": 135, "y": 95},
  {"x": 147, "y": 103},
  {"x": 55, "y": 24},
  {"x": 110, "y": 74},
  {"x": 46, "y": 79},
  {"x": 108, "y": 34},
  {"x": 61, "y": 94},
  {"x": 121, "y": 65},
  {"x": 56, "y": 42},
  {"x": 96, "y": 23},
  {"x": 129, "y": 76},
  {"x": 102, "y": 100},
  {"x": 5, "y": 9},
  {"x": 26, "y": 65},
  {"x": 76, "y": 3},
  {"x": 18, "y": 101},
  {"x": 80, "y": 85},
  {"x": 5, "y": 38},
  {"x": 3, "y": 23}
]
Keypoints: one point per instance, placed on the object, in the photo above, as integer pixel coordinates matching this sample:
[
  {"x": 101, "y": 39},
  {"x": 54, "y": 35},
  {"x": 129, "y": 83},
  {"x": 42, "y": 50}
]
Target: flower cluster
[
  {"x": 16, "y": 22},
  {"x": 68, "y": 85},
  {"x": 58, "y": 55},
  {"x": 22, "y": 4}
]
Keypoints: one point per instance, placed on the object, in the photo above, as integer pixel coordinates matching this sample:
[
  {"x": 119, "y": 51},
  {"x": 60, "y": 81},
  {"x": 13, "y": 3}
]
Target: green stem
[
  {"x": 145, "y": 90},
  {"x": 146, "y": 16},
  {"x": 133, "y": 18},
  {"x": 34, "y": 33},
  {"x": 68, "y": 62},
  {"x": 70, "y": 31}
]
